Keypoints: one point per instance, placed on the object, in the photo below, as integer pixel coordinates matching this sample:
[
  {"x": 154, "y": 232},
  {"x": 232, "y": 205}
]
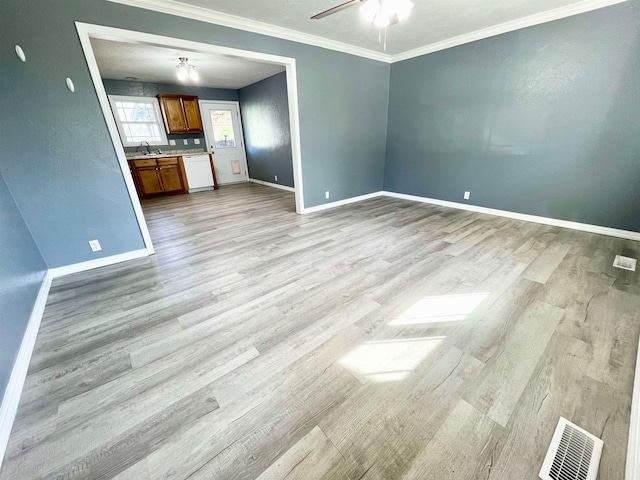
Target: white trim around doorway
[
  {"x": 87, "y": 31},
  {"x": 84, "y": 33}
]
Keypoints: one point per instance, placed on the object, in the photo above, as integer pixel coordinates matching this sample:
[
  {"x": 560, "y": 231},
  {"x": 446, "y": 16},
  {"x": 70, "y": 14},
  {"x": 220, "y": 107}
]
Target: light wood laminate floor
[{"x": 381, "y": 340}]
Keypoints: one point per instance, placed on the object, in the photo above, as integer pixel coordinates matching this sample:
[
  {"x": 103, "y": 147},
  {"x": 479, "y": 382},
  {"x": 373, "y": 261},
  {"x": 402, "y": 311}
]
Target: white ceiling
[
  {"x": 432, "y": 21},
  {"x": 148, "y": 63}
]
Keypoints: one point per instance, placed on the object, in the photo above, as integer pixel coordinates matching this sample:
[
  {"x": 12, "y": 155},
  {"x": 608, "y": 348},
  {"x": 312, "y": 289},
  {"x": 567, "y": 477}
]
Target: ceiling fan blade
[{"x": 337, "y": 9}]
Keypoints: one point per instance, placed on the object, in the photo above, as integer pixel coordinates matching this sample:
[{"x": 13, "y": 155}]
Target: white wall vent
[
  {"x": 574, "y": 454},
  {"x": 626, "y": 263}
]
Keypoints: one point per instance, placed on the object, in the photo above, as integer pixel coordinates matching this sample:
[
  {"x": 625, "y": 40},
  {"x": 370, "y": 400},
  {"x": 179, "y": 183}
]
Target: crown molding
[
  {"x": 172, "y": 7},
  {"x": 524, "y": 22}
]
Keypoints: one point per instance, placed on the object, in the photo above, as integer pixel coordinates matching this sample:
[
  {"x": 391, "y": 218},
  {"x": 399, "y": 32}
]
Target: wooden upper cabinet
[
  {"x": 181, "y": 113},
  {"x": 173, "y": 113},
  {"x": 192, "y": 114}
]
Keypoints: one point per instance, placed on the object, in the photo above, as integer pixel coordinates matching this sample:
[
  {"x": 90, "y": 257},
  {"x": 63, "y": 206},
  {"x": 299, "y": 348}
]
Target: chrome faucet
[{"x": 147, "y": 146}]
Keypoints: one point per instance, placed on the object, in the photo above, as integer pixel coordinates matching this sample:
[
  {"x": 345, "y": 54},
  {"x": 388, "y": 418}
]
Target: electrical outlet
[
  {"x": 95, "y": 245},
  {"x": 326, "y": 194},
  {"x": 276, "y": 177},
  {"x": 185, "y": 141},
  {"x": 172, "y": 142},
  {"x": 467, "y": 195},
  {"x": 196, "y": 141}
]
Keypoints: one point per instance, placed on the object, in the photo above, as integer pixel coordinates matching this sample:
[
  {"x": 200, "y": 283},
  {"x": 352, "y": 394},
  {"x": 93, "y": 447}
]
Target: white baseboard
[
  {"x": 274, "y": 185},
  {"x": 97, "y": 263},
  {"x": 633, "y": 446},
  {"x": 584, "y": 227},
  {"x": 11, "y": 398},
  {"x": 12, "y": 395},
  {"x": 339, "y": 203}
]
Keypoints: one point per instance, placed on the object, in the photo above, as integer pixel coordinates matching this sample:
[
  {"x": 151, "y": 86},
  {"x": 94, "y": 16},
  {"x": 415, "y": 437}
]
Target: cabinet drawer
[
  {"x": 168, "y": 161},
  {"x": 145, "y": 163}
]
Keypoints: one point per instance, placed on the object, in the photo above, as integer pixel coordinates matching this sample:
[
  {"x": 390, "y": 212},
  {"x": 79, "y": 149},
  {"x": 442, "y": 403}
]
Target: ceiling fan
[
  {"x": 339, "y": 8},
  {"x": 382, "y": 13}
]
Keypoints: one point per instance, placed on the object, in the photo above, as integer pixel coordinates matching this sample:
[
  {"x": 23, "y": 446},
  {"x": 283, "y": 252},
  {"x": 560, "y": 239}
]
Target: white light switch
[
  {"x": 276, "y": 177},
  {"x": 185, "y": 141},
  {"x": 95, "y": 245},
  {"x": 467, "y": 195},
  {"x": 172, "y": 142},
  {"x": 196, "y": 141},
  {"x": 326, "y": 194}
]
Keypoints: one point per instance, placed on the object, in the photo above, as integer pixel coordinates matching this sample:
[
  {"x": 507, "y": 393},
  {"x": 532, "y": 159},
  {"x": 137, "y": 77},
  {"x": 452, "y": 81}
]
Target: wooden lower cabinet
[
  {"x": 159, "y": 176},
  {"x": 149, "y": 181},
  {"x": 171, "y": 178}
]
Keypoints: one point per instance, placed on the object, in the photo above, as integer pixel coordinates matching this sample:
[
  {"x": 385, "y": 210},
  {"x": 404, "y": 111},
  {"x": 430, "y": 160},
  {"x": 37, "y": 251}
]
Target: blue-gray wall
[
  {"x": 21, "y": 272},
  {"x": 57, "y": 155},
  {"x": 544, "y": 121},
  {"x": 147, "y": 89},
  {"x": 267, "y": 132}
]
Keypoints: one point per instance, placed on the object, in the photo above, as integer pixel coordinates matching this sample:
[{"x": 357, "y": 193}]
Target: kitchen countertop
[{"x": 171, "y": 153}]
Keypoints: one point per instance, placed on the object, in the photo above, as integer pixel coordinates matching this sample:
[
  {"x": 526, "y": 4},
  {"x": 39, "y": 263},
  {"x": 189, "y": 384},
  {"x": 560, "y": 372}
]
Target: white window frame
[{"x": 156, "y": 108}]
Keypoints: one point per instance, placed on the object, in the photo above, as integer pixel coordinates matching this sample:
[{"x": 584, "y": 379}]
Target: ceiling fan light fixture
[
  {"x": 403, "y": 8},
  {"x": 383, "y": 13},
  {"x": 370, "y": 10},
  {"x": 382, "y": 21}
]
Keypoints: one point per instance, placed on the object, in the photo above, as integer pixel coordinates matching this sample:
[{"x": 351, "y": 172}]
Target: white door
[{"x": 223, "y": 131}]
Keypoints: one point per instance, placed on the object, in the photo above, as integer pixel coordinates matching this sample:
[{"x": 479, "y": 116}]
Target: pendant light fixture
[{"x": 185, "y": 71}]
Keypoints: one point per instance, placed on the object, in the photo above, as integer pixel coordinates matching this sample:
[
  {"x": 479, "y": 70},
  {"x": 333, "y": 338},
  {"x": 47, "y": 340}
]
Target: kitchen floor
[{"x": 380, "y": 340}]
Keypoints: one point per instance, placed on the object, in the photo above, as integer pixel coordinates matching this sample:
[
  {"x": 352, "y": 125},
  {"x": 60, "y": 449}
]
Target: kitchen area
[
  {"x": 178, "y": 116},
  {"x": 178, "y": 170}
]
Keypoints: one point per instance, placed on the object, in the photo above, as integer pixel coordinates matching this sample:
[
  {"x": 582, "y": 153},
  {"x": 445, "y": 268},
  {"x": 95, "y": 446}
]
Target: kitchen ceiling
[
  {"x": 432, "y": 21},
  {"x": 148, "y": 63}
]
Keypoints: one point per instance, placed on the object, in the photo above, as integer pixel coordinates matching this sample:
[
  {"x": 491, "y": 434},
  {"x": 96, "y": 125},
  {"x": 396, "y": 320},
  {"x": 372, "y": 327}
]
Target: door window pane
[{"x": 223, "y": 133}]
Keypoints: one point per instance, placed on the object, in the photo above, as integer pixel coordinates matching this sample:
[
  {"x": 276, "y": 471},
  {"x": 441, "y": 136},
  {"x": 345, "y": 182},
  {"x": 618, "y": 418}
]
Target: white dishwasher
[{"x": 198, "y": 170}]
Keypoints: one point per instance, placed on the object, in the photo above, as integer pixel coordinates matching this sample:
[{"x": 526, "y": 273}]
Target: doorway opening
[{"x": 220, "y": 134}]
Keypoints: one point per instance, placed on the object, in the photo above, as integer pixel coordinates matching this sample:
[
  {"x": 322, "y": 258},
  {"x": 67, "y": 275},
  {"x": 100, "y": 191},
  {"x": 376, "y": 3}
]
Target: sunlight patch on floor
[
  {"x": 440, "y": 309},
  {"x": 388, "y": 360}
]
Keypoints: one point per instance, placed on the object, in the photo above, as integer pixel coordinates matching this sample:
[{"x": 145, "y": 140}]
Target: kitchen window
[{"x": 139, "y": 120}]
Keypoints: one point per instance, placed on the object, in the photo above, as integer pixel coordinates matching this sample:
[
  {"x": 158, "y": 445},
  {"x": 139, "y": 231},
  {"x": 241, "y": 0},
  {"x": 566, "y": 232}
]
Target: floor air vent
[
  {"x": 574, "y": 454},
  {"x": 626, "y": 263}
]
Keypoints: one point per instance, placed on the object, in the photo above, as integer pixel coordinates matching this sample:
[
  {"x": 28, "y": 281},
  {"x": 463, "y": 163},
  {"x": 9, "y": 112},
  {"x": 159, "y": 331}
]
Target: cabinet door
[
  {"x": 171, "y": 178},
  {"x": 192, "y": 113},
  {"x": 175, "y": 120},
  {"x": 149, "y": 181}
]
